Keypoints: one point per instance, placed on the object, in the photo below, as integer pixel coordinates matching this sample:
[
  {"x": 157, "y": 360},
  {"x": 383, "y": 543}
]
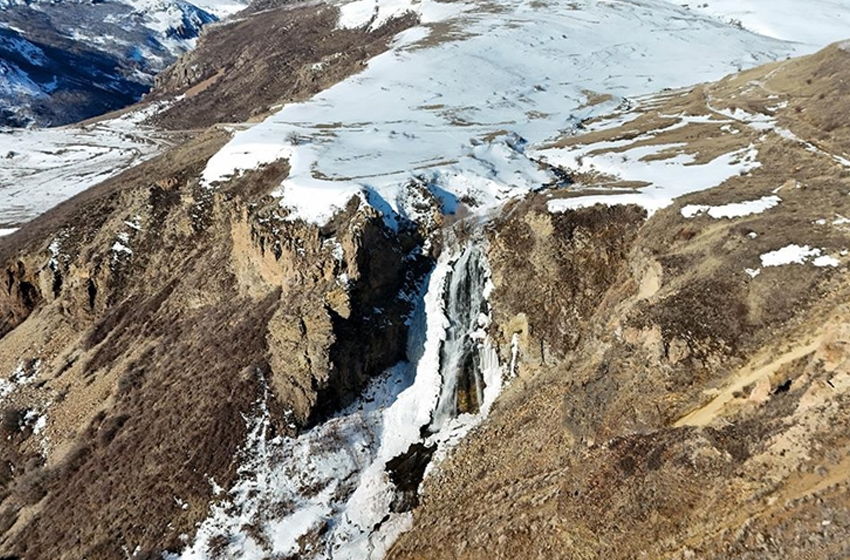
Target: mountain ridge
[
  {"x": 63, "y": 62},
  {"x": 589, "y": 320}
]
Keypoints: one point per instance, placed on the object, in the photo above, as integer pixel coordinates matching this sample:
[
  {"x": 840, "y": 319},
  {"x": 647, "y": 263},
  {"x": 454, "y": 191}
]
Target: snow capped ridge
[
  {"x": 173, "y": 19},
  {"x": 443, "y": 107},
  {"x": 101, "y": 55}
]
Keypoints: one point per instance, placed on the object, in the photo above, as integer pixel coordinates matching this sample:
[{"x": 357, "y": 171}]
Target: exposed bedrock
[{"x": 158, "y": 312}]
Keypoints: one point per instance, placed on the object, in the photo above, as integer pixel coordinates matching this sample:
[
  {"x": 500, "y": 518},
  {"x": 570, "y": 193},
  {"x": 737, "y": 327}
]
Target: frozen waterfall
[{"x": 345, "y": 488}]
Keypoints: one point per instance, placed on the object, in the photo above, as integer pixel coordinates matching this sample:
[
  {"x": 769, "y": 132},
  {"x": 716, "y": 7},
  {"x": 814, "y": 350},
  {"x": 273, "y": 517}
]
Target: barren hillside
[
  {"x": 682, "y": 388},
  {"x": 426, "y": 279}
]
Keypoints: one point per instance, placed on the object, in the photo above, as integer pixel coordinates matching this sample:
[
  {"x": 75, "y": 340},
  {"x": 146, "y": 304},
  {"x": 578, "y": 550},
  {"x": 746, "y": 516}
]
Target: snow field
[
  {"x": 461, "y": 111},
  {"x": 813, "y": 23},
  {"x": 43, "y": 167}
]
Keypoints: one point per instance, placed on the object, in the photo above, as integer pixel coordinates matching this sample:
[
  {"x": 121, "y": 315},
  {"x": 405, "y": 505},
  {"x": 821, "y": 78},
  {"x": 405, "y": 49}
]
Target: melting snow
[
  {"x": 788, "y": 135},
  {"x": 24, "y": 374},
  {"x": 734, "y": 209},
  {"x": 119, "y": 247},
  {"x": 667, "y": 178},
  {"x": 43, "y": 167},
  {"x": 756, "y": 121},
  {"x": 796, "y": 254},
  {"x": 458, "y": 110}
]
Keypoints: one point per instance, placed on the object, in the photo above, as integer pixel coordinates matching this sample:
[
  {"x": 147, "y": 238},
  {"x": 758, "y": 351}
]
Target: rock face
[
  {"x": 679, "y": 392},
  {"x": 151, "y": 285},
  {"x": 146, "y": 320},
  {"x": 552, "y": 271},
  {"x": 677, "y": 396}
]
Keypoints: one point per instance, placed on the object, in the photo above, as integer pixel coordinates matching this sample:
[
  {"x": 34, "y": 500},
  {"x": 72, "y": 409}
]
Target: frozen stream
[{"x": 345, "y": 488}]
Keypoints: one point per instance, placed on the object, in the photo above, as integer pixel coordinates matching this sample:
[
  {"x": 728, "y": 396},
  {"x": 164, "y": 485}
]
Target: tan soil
[{"x": 668, "y": 404}]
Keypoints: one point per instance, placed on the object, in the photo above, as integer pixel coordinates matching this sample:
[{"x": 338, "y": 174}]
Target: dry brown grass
[
  {"x": 233, "y": 77},
  {"x": 580, "y": 457},
  {"x": 152, "y": 361}
]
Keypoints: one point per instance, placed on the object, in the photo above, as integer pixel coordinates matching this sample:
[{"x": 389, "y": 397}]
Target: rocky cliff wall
[{"x": 146, "y": 320}]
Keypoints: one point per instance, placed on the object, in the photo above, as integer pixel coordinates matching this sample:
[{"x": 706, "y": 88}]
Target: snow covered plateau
[
  {"x": 468, "y": 104},
  {"x": 460, "y": 101}
]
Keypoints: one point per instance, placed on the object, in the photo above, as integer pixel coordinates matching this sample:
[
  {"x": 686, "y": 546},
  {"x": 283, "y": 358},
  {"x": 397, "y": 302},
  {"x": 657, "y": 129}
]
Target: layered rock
[{"x": 148, "y": 317}]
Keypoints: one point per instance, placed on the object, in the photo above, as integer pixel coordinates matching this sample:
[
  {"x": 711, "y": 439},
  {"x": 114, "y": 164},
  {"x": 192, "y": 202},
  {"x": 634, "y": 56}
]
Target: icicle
[{"x": 514, "y": 354}]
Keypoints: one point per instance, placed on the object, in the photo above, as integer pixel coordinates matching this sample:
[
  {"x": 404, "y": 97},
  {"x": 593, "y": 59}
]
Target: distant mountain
[
  {"x": 419, "y": 279},
  {"x": 66, "y": 60}
]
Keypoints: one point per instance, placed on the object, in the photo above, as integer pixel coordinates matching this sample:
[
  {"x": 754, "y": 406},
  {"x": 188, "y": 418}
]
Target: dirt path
[{"x": 746, "y": 376}]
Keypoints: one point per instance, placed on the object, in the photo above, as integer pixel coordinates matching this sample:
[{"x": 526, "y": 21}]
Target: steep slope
[
  {"x": 65, "y": 61},
  {"x": 233, "y": 77},
  {"x": 681, "y": 381},
  {"x": 154, "y": 315},
  {"x": 151, "y": 278},
  {"x": 259, "y": 342}
]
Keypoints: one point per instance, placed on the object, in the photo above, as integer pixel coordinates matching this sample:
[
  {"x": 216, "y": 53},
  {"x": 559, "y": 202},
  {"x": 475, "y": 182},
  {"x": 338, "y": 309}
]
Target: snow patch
[
  {"x": 24, "y": 374},
  {"x": 788, "y": 135},
  {"x": 734, "y": 209},
  {"x": 668, "y": 178},
  {"x": 756, "y": 121},
  {"x": 798, "y": 254},
  {"x": 826, "y": 260}
]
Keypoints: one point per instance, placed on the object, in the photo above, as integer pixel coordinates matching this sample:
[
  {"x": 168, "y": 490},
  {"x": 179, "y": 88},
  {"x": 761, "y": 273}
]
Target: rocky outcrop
[
  {"x": 154, "y": 315},
  {"x": 22, "y": 294},
  {"x": 552, "y": 271},
  {"x": 677, "y": 397}
]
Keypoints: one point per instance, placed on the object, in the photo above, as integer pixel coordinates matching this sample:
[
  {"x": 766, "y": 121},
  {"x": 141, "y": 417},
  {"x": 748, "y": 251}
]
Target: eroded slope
[
  {"x": 681, "y": 382},
  {"x": 147, "y": 319}
]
